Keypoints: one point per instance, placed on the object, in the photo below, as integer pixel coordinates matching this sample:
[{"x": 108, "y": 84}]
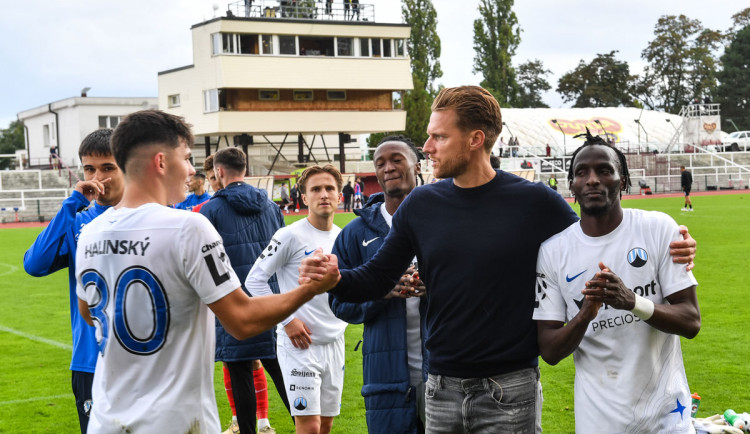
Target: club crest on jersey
[
  {"x": 300, "y": 403},
  {"x": 637, "y": 257},
  {"x": 272, "y": 248}
]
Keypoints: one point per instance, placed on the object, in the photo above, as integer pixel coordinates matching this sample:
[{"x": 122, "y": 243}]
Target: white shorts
[{"x": 314, "y": 377}]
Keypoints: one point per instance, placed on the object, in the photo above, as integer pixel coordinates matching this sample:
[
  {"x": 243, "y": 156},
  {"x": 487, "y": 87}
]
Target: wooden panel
[{"x": 356, "y": 100}]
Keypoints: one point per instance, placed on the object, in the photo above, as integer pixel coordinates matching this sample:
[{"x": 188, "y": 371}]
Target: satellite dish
[{"x": 216, "y": 8}]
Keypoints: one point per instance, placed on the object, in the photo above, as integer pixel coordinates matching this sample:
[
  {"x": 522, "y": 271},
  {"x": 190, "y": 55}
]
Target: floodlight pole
[{"x": 565, "y": 152}]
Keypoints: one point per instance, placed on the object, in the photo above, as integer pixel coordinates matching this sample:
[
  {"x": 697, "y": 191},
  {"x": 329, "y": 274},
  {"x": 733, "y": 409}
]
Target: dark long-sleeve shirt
[{"x": 477, "y": 251}]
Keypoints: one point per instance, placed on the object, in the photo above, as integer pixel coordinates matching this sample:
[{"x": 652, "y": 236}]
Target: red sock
[
  {"x": 261, "y": 393},
  {"x": 228, "y": 388}
]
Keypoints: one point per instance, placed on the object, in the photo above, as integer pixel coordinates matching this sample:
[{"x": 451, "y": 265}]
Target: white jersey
[
  {"x": 147, "y": 274},
  {"x": 629, "y": 376},
  {"x": 283, "y": 256}
]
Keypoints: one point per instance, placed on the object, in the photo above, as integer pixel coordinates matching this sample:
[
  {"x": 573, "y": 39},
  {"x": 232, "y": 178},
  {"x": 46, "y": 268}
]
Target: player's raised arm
[{"x": 244, "y": 317}]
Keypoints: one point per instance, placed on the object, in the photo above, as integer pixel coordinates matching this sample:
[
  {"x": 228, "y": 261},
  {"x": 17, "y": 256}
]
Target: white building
[
  {"x": 272, "y": 73},
  {"x": 67, "y": 122}
]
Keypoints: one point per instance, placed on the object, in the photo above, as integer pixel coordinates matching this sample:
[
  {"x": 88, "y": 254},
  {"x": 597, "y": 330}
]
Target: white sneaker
[
  {"x": 267, "y": 430},
  {"x": 233, "y": 428},
  {"x": 683, "y": 209},
  {"x": 690, "y": 209}
]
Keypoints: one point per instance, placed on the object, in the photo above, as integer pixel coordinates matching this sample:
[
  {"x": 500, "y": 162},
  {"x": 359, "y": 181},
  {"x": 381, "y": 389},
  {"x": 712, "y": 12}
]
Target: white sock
[
  {"x": 262, "y": 423},
  {"x": 234, "y": 419}
]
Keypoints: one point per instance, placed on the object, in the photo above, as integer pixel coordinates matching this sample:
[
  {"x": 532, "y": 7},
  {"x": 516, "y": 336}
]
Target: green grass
[{"x": 35, "y": 382}]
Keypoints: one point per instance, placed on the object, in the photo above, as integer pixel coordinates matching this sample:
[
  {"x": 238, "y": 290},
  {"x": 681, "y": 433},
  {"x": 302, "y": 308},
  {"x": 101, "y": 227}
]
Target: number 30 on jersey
[{"x": 93, "y": 280}]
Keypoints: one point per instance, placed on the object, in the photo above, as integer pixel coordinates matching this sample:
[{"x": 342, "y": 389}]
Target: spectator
[{"x": 348, "y": 193}]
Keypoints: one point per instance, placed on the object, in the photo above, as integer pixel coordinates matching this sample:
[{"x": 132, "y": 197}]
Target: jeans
[{"x": 508, "y": 403}]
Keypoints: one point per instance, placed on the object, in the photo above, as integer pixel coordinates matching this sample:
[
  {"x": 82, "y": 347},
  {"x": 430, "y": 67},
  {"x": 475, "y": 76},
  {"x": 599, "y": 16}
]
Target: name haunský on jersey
[{"x": 117, "y": 247}]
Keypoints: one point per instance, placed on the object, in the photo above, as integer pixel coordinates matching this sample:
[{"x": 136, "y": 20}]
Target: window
[
  {"x": 248, "y": 43},
  {"x": 267, "y": 44},
  {"x": 397, "y": 100},
  {"x": 215, "y": 43},
  {"x": 108, "y": 121},
  {"x": 364, "y": 47},
  {"x": 227, "y": 40},
  {"x": 303, "y": 95},
  {"x": 268, "y": 94},
  {"x": 287, "y": 44},
  {"x": 344, "y": 46},
  {"x": 45, "y": 134},
  {"x": 387, "y": 48},
  {"x": 210, "y": 101},
  {"x": 315, "y": 46},
  {"x": 174, "y": 100},
  {"x": 400, "y": 47},
  {"x": 336, "y": 95},
  {"x": 375, "y": 47}
]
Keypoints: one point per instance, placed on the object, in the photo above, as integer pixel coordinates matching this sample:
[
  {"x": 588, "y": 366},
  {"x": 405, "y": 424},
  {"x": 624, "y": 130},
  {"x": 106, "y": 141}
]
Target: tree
[
  {"x": 734, "y": 91},
  {"x": 424, "y": 51},
  {"x": 603, "y": 82},
  {"x": 11, "y": 139},
  {"x": 496, "y": 37},
  {"x": 531, "y": 83},
  {"x": 740, "y": 20},
  {"x": 681, "y": 60}
]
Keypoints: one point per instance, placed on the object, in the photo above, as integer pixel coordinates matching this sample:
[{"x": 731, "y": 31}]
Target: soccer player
[
  {"x": 481, "y": 338},
  {"x": 198, "y": 194},
  {"x": 686, "y": 182},
  {"x": 310, "y": 343},
  {"x": 392, "y": 346},
  {"x": 151, "y": 278},
  {"x": 608, "y": 293},
  {"x": 55, "y": 248},
  {"x": 246, "y": 219}
]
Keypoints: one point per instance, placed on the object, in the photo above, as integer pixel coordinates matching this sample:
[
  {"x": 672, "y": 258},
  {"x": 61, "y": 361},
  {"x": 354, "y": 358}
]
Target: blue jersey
[
  {"x": 192, "y": 200},
  {"x": 55, "y": 249}
]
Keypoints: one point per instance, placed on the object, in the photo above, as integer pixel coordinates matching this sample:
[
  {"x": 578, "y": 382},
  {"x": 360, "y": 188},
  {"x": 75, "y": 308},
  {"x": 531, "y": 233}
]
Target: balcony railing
[{"x": 302, "y": 10}]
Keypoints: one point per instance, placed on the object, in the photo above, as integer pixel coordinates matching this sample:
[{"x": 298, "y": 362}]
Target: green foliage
[
  {"x": 734, "y": 91},
  {"x": 11, "y": 139},
  {"x": 531, "y": 83},
  {"x": 740, "y": 20},
  {"x": 424, "y": 50},
  {"x": 604, "y": 82},
  {"x": 35, "y": 381},
  {"x": 496, "y": 37},
  {"x": 682, "y": 63}
]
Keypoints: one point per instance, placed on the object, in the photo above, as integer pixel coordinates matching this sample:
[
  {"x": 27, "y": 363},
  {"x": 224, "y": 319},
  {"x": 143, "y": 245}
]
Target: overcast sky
[{"x": 52, "y": 49}]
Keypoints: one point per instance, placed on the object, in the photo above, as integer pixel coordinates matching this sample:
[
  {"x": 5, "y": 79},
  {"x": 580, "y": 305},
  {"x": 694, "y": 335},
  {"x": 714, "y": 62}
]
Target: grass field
[{"x": 35, "y": 391}]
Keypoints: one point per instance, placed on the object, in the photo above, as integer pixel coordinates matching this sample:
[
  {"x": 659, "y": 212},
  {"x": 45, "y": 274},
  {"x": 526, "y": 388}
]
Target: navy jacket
[
  {"x": 389, "y": 399},
  {"x": 246, "y": 220}
]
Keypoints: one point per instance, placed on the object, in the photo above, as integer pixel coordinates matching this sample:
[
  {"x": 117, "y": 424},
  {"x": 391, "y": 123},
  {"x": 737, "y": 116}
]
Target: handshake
[{"x": 321, "y": 272}]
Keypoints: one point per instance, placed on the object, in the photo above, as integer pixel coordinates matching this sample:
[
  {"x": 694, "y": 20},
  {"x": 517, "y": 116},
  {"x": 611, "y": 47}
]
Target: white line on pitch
[
  {"x": 40, "y": 398},
  {"x": 36, "y": 338}
]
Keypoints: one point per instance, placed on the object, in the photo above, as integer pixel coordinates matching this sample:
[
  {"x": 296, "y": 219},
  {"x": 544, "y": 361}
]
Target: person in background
[
  {"x": 552, "y": 181},
  {"x": 198, "y": 194},
  {"x": 686, "y": 182},
  {"x": 246, "y": 219},
  {"x": 392, "y": 351},
  {"x": 348, "y": 193},
  {"x": 55, "y": 249}
]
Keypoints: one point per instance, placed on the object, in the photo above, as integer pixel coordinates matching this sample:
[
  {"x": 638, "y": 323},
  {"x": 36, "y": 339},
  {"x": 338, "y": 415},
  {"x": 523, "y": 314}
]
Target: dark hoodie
[{"x": 246, "y": 220}]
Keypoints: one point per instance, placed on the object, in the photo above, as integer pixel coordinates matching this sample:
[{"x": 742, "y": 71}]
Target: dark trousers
[
  {"x": 243, "y": 390},
  {"x": 347, "y": 203},
  {"x": 81, "y": 382}
]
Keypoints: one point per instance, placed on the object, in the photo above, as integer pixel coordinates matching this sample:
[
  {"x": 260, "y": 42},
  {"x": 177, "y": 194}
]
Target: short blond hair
[{"x": 476, "y": 109}]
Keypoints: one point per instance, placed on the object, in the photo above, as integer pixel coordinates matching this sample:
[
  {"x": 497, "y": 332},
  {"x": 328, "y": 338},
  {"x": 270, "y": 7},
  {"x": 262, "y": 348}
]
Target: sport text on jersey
[{"x": 117, "y": 247}]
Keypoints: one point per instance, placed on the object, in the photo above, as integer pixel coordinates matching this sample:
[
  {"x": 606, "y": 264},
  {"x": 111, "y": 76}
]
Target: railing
[
  {"x": 302, "y": 9},
  {"x": 24, "y": 196}
]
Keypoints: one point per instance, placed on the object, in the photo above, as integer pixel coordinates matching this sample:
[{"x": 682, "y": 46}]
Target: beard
[{"x": 455, "y": 166}]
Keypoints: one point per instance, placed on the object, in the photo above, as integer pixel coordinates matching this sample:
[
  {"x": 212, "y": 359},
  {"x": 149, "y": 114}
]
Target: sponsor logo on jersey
[
  {"x": 308, "y": 253},
  {"x": 541, "y": 285},
  {"x": 207, "y": 247},
  {"x": 293, "y": 387},
  {"x": 637, "y": 257},
  {"x": 617, "y": 321},
  {"x": 367, "y": 243},
  {"x": 300, "y": 403},
  {"x": 116, "y": 247},
  {"x": 272, "y": 248},
  {"x": 296, "y": 373},
  {"x": 570, "y": 279},
  {"x": 679, "y": 409}
]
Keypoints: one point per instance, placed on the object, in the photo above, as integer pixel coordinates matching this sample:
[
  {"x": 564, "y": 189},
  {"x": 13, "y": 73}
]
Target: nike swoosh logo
[
  {"x": 367, "y": 243},
  {"x": 307, "y": 253},
  {"x": 570, "y": 279}
]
